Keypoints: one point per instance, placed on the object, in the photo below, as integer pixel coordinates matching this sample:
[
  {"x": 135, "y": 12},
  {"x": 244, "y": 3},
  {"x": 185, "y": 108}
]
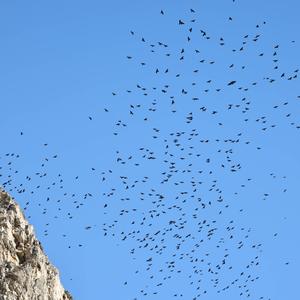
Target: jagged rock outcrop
[{"x": 25, "y": 271}]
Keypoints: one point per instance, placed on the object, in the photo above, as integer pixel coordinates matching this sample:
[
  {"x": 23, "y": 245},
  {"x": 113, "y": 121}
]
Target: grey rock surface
[{"x": 25, "y": 271}]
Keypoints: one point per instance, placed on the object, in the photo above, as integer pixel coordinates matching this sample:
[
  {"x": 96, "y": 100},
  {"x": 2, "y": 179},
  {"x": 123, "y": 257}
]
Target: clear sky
[{"x": 187, "y": 186}]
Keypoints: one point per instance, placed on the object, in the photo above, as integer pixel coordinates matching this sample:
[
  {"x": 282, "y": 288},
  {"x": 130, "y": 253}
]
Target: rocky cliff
[{"x": 25, "y": 271}]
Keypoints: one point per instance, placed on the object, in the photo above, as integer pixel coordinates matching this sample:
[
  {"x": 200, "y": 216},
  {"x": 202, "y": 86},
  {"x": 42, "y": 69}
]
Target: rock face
[{"x": 25, "y": 271}]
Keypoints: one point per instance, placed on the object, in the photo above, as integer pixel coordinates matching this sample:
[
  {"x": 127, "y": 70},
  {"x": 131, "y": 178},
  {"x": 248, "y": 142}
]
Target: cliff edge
[{"x": 25, "y": 271}]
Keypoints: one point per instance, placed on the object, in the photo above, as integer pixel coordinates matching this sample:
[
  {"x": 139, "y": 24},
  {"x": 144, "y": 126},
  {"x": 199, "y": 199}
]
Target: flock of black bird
[{"x": 175, "y": 197}]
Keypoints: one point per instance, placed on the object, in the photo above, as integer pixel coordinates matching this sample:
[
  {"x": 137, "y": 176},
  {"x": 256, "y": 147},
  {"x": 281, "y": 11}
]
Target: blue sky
[{"x": 60, "y": 63}]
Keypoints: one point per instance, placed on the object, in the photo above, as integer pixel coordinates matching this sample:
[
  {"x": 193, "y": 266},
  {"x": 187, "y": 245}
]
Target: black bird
[{"x": 231, "y": 82}]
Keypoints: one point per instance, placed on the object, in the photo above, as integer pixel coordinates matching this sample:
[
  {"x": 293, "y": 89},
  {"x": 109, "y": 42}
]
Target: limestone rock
[{"x": 25, "y": 271}]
